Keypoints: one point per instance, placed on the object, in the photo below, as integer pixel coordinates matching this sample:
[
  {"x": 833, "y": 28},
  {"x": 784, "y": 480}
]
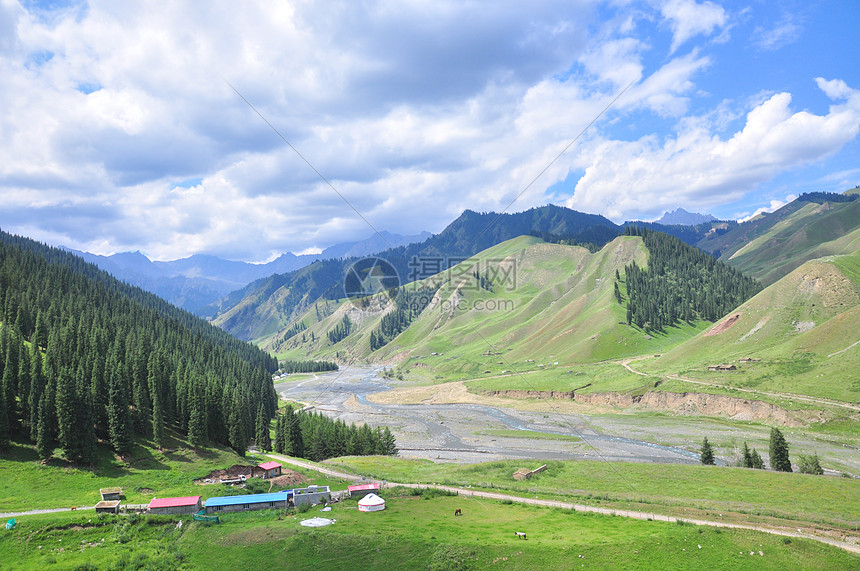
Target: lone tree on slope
[
  {"x": 779, "y": 451},
  {"x": 707, "y": 455}
]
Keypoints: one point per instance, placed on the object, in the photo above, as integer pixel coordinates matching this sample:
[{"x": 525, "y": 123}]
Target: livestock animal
[
  {"x": 520, "y": 534},
  {"x": 458, "y": 511}
]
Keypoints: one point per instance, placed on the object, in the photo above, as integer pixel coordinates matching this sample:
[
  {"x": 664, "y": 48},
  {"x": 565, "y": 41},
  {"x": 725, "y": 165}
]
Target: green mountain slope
[
  {"x": 801, "y": 332},
  {"x": 771, "y": 246},
  {"x": 266, "y": 306},
  {"x": 540, "y": 303}
]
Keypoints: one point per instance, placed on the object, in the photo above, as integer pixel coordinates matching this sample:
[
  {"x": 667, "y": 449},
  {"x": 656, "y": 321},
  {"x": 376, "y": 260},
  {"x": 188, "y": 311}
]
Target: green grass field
[
  {"x": 828, "y": 500},
  {"x": 414, "y": 532},
  {"x": 27, "y": 484}
]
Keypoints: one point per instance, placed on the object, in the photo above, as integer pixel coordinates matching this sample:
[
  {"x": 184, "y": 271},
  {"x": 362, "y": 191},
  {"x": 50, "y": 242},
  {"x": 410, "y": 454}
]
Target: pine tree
[
  {"x": 389, "y": 443},
  {"x": 755, "y": 460},
  {"x": 295, "y": 438},
  {"x": 68, "y": 416},
  {"x": 236, "y": 427},
  {"x": 263, "y": 439},
  {"x": 44, "y": 436},
  {"x": 746, "y": 461},
  {"x": 5, "y": 432},
  {"x": 279, "y": 443},
  {"x": 119, "y": 419},
  {"x": 779, "y": 460},
  {"x": 707, "y": 454},
  {"x": 197, "y": 415}
]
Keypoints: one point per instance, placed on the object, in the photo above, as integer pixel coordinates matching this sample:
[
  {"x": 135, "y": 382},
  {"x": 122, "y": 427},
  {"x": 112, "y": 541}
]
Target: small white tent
[{"x": 371, "y": 503}]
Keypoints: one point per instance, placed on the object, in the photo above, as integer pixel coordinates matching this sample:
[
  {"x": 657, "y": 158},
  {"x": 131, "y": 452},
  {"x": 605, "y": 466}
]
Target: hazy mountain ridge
[
  {"x": 679, "y": 216},
  {"x": 268, "y": 305},
  {"x": 195, "y": 282}
]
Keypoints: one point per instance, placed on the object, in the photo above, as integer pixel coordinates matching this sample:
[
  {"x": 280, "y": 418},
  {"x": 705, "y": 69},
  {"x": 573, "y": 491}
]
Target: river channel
[{"x": 469, "y": 432}]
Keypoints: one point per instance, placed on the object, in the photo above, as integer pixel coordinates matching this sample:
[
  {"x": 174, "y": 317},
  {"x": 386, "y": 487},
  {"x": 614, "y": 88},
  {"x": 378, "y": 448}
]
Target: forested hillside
[
  {"x": 680, "y": 283},
  {"x": 86, "y": 358}
]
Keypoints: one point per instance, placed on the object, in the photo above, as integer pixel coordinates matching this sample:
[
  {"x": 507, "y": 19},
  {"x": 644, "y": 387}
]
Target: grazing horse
[
  {"x": 458, "y": 511},
  {"x": 520, "y": 534}
]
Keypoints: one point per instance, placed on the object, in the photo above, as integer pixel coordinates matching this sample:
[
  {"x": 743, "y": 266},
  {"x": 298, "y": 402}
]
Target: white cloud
[
  {"x": 786, "y": 31},
  {"x": 688, "y": 19},
  {"x": 641, "y": 178},
  {"x": 413, "y": 111},
  {"x": 773, "y": 206}
]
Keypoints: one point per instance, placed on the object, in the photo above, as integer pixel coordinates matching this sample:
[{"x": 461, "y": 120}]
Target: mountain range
[
  {"x": 195, "y": 282},
  {"x": 681, "y": 217}
]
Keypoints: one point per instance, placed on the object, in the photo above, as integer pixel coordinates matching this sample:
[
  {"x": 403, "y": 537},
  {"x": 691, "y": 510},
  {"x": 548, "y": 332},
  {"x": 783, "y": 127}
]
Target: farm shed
[
  {"x": 270, "y": 469},
  {"x": 360, "y": 490},
  {"x": 371, "y": 503},
  {"x": 311, "y": 495},
  {"x": 226, "y": 504},
  {"x": 722, "y": 368},
  {"x": 107, "y": 507},
  {"x": 186, "y": 505},
  {"x": 111, "y": 493}
]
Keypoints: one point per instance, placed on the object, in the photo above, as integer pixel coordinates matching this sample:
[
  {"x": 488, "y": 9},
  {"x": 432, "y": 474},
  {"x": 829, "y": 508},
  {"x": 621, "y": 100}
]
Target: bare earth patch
[{"x": 724, "y": 325}]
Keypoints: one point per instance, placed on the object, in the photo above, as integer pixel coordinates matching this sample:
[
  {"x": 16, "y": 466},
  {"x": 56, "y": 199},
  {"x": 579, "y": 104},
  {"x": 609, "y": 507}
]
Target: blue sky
[{"x": 118, "y": 131}]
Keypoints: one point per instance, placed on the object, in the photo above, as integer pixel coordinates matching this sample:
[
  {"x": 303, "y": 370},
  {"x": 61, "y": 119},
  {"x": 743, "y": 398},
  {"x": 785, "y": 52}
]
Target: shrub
[{"x": 810, "y": 465}]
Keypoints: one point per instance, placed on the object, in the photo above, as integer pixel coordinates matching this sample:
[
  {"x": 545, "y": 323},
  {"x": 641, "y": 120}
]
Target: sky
[{"x": 249, "y": 129}]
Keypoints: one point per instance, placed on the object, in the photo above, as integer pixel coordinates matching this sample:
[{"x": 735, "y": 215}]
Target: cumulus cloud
[
  {"x": 646, "y": 176},
  {"x": 689, "y": 18},
  {"x": 413, "y": 111}
]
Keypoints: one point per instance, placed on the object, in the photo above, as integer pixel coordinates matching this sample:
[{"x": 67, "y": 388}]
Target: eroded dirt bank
[{"x": 682, "y": 403}]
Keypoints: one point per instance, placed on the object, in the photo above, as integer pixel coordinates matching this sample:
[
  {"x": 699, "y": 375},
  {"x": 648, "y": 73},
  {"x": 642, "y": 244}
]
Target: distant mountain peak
[{"x": 684, "y": 218}]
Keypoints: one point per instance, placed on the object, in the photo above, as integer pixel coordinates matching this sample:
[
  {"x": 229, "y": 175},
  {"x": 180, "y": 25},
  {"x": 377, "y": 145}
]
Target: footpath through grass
[
  {"x": 798, "y": 498},
  {"x": 414, "y": 532}
]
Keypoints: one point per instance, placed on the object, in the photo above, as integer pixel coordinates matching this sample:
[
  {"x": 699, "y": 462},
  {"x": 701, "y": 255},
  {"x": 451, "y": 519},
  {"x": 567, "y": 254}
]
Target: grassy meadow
[
  {"x": 665, "y": 488},
  {"x": 27, "y": 484},
  {"x": 414, "y": 532}
]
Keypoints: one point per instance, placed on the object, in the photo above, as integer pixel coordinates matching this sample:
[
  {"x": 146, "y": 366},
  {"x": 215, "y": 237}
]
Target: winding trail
[{"x": 469, "y": 493}]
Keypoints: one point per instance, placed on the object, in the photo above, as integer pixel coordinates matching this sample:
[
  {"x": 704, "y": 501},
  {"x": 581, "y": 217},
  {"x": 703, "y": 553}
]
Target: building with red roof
[
  {"x": 186, "y": 505},
  {"x": 361, "y": 490},
  {"x": 270, "y": 469}
]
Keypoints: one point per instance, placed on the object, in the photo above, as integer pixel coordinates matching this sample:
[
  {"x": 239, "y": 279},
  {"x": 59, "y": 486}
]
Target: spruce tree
[
  {"x": 295, "y": 438},
  {"x": 197, "y": 416},
  {"x": 5, "y": 432},
  {"x": 707, "y": 454},
  {"x": 779, "y": 460},
  {"x": 68, "y": 411},
  {"x": 119, "y": 418},
  {"x": 263, "y": 439},
  {"x": 746, "y": 461},
  {"x": 37, "y": 387},
  {"x": 44, "y": 435},
  {"x": 755, "y": 460},
  {"x": 279, "y": 435}
]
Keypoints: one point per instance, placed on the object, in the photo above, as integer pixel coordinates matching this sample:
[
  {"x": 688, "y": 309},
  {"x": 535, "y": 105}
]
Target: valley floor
[{"x": 448, "y": 423}]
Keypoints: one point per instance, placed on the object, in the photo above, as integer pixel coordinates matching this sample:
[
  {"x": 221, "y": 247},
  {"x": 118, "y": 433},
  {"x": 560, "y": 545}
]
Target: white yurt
[{"x": 371, "y": 503}]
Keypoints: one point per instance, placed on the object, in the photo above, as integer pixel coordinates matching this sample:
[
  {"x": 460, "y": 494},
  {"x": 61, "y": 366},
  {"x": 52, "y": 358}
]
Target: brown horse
[{"x": 458, "y": 511}]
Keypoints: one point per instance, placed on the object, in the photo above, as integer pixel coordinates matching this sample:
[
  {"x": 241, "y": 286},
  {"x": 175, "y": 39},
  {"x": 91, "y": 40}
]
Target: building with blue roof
[{"x": 226, "y": 504}]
